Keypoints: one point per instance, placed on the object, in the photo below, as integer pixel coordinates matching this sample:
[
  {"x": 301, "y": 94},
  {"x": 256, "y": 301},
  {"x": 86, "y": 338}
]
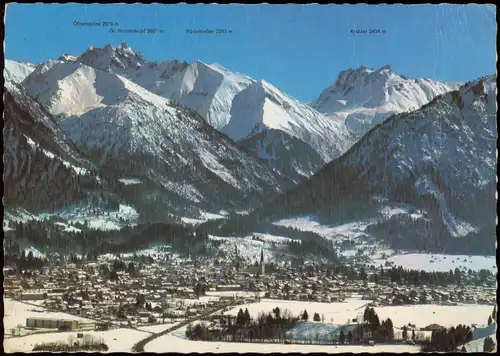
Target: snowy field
[
  {"x": 130, "y": 181},
  {"x": 350, "y": 230},
  {"x": 340, "y": 312},
  {"x": 478, "y": 345},
  {"x": 420, "y": 315},
  {"x": 15, "y": 313},
  {"x": 249, "y": 249},
  {"x": 204, "y": 217},
  {"x": 192, "y": 221},
  {"x": 444, "y": 315},
  {"x": 118, "y": 340},
  {"x": 156, "y": 328},
  {"x": 441, "y": 263},
  {"x": 67, "y": 227},
  {"x": 97, "y": 218},
  {"x": 419, "y": 261},
  {"x": 478, "y": 336},
  {"x": 159, "y": 252},
  {"x": 177, "y": 342},
  {"x": 18, "y": 215},
  {"x": 36, "y": 253}
]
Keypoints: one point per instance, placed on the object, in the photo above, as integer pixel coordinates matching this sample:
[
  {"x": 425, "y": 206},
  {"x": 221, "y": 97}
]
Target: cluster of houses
[
  {"x": 160, "y": 292},
  {"x": 153, "y": 293},
  {"x": 443, "y": 295}
]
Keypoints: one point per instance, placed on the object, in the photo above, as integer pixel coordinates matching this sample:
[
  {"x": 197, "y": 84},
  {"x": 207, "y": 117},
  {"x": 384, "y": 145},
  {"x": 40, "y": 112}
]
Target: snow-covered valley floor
[
  {"x": 118, "y": 340},
  {"x": 441, "y": 263},
  {"x": 335, "y": 315},
  {"x": 340, "y": 313},
  {"x": 421, "y": 315},
  {"x": 177, "y": 342},
  {"x": 15, "y": 313},
  {"x": 378, "y": 254}
]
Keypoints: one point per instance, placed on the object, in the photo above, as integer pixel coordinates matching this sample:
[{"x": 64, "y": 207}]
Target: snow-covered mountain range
[
  {"x": 261, "y": 107},
  {"x": 364, "y": 97},
  {"x": 412, "y": 157},
  {"x": 232, "y": 103},
  {"x": 424, "y": 179},
  {"x": 179, "y": 162}
]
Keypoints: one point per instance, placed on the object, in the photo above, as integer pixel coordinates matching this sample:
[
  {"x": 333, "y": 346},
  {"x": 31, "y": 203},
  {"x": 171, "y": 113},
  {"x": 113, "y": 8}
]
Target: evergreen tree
[
  {"x": 277, "y": 312},
  {"x": 30, "y": 259},
  {"x": 488, "y": 345},
  {"x": 489, "y": 320},
  {"x": 305, "y": 316},
  {"x": 389, "y": 329},
  {"x": 405, "y": 332},
  {"x": 131, "y": 268},
  {"x": 316, "y": 317},
  {"x": 342, "y": 336},
  {"x": 240, "y": 318},
  {"x": 247, "y": 317},
  {"x": 413, "y": 337},
  {"x": 366, "y": 314},
  {"x": 376, "y": 321},
  {"x": 362, "y": 274}
]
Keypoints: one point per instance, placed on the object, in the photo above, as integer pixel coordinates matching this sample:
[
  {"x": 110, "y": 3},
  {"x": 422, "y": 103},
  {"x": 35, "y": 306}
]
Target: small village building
[
  {"x": 433, "y": 327},
  {"x": 50, "y": 323},
  {"x": 40, "y": 295}
]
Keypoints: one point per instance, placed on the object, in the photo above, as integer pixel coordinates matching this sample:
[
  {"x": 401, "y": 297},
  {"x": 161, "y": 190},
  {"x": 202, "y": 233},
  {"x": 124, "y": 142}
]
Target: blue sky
[{"x": 298, "y": 48}]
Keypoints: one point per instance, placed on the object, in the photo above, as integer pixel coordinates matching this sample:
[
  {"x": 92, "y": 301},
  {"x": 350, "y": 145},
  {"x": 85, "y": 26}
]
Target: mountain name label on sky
[
  {"x": 209, "y": 31},
  {"x": 94, "y": 23},
  {"x": 137, "y": 30},
  {"x": 369, "y": 32}
]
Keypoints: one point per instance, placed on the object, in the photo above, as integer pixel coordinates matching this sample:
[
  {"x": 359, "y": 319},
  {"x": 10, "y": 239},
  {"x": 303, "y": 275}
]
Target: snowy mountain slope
[
  {"x": 117, "y": 60},
  {"x": 230, "y": 102},
  {"x": 285, "y": 154},
  {"x": 365, "y": 97},
  {"x": 43, "y": 169},
  {"x": 183, "y": 163},
  {"x": 261, "y": 106},
  {"x": 439, "y": 161},
  {"x": 122, "y": 60},
  {"x": 208, "y": 89},
  {"x": 16, "y": 71}
]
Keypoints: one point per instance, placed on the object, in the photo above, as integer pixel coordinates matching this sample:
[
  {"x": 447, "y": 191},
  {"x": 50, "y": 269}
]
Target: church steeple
[{"x": 261, "y": 256}]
